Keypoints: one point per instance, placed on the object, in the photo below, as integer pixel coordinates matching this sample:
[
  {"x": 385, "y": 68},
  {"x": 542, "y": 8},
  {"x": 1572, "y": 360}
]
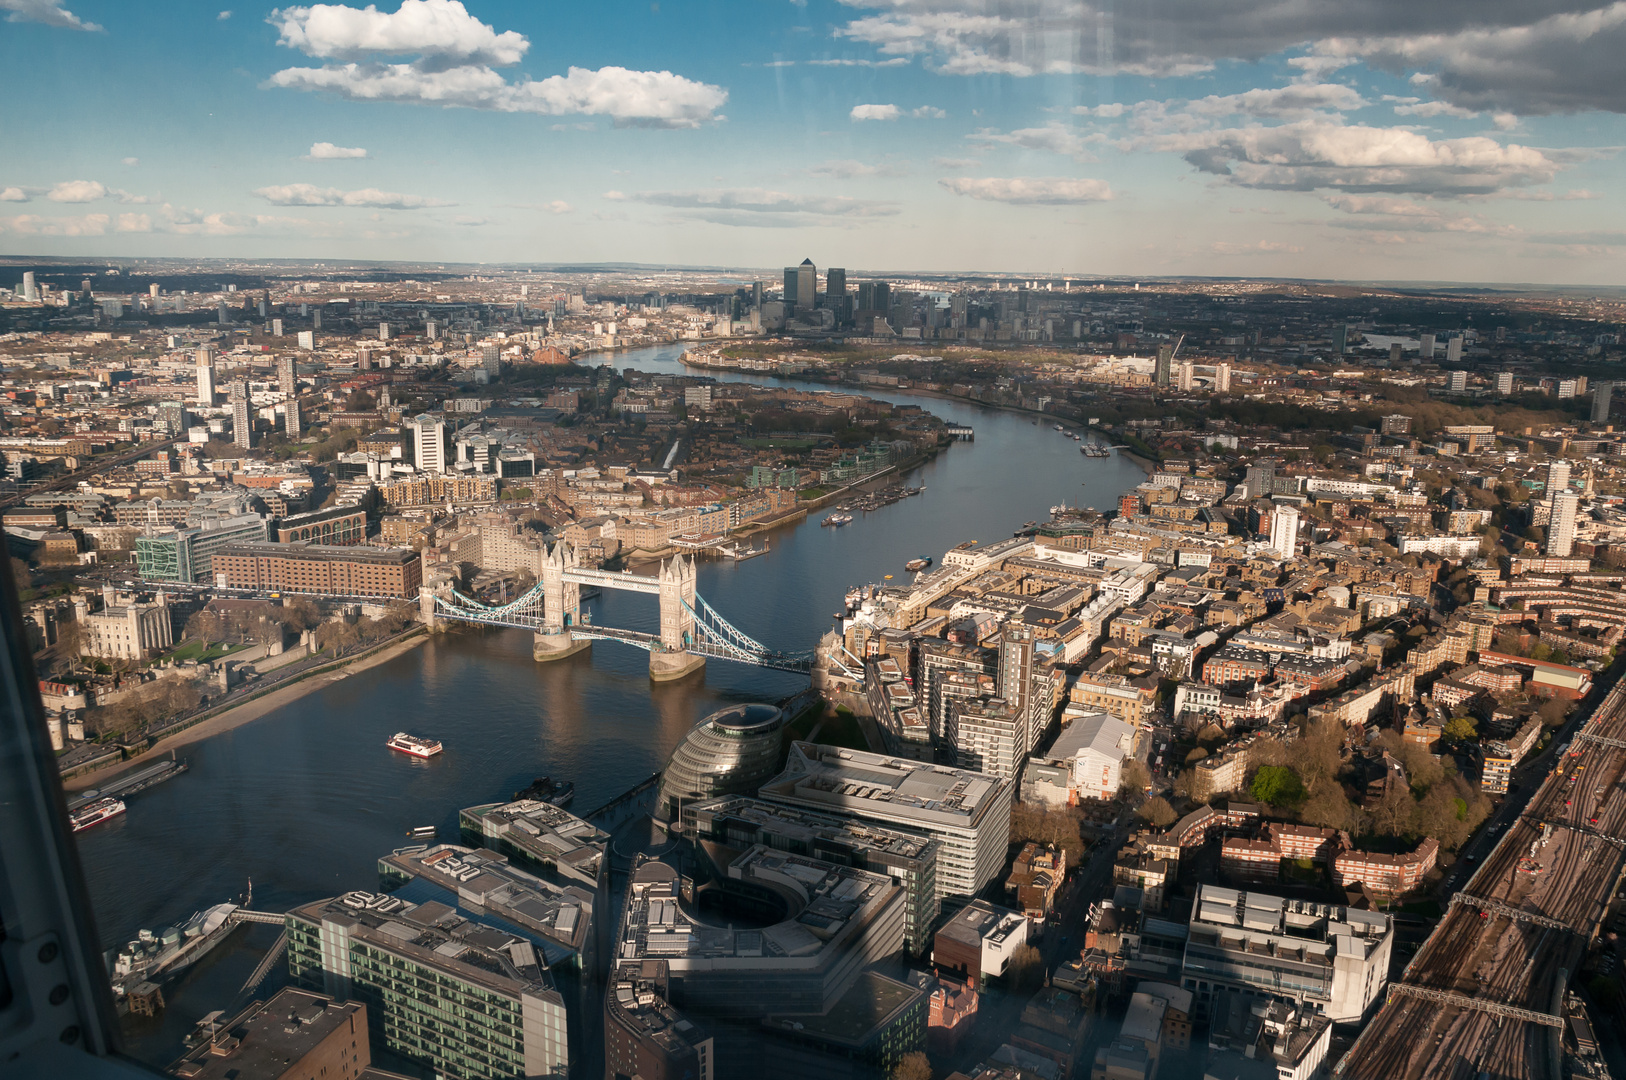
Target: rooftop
[
  {"x": 264, "y": 1038},
  {"x": 910, "y": 791}
]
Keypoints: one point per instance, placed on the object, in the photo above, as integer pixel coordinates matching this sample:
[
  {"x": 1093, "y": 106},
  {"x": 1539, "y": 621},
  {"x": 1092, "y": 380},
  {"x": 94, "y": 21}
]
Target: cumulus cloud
[
  {"x": 1293, "y": 100},
  {"x": 1548, "y": 61},
  {"x": 1323, "y": 154},
  {"x": 875, "y": 112},
  {"x": 896, "y": 61},
  {"x": 557, "y": 206},
  {"x": 223, "y": 16},
  {"x": 1034, "y": 191},
  {"x": 761, "y": 207},
  {"x": 928, "y": 112},
  {"x": 34, "y": 225},
  {"x": 77, "y": 191},
  {"x": 326, "y": 151},
  {"x": 956, "y": 163},
  {"x": 455, "y": 57},
  {"x": 849, "y": 169},
  {"x": 49, "y": 12},
  {"x": 311, "y": 195},
  {"x": 1414, "y": 107},
  {"x": 13, "y": 194},
  {"x": 440, "y": 28},
  {"x": 1052, "y": 138},
  {"x": 1517, "y": 47}
]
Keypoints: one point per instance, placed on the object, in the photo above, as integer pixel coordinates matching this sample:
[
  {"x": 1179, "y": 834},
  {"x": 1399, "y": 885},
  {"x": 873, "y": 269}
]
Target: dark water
[{"x": 306, "y": 799}]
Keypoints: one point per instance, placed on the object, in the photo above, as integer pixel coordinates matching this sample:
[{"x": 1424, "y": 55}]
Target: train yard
[{"x": 1484, "y": 995}]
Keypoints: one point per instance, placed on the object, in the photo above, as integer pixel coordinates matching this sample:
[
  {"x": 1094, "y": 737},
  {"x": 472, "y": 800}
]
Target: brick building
[{"x": 320, "y": 568}]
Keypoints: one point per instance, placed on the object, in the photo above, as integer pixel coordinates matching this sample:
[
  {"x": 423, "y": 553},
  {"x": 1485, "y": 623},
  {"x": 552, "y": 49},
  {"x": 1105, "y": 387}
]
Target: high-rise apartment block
[
  {"x": 1561, "y": 529},
  {"x": 429, "y": 444},
  {"x": 1600, "y": 402},
  {"x": 1284, "y": 531},
  {"x": 1504, "y": 383},
  {"x": 1163, "y": 373},
  {"x": 1453, "y": 350},
  {"x": 1459, "y": 382},
  {"x": 242, "y": 419},
  {"x": 307, "y": 339},
  {"x": 206, "y": 375},
  {"x": 1426, "y": 347}
]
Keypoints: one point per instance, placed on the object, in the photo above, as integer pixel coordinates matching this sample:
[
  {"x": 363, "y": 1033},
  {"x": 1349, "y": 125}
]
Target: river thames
[{"x": 304, "y": 800}]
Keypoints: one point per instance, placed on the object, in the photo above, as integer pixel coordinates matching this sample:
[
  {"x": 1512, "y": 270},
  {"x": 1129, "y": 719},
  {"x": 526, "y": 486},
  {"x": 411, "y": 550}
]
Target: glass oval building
[{"x": 733, "y": 751}]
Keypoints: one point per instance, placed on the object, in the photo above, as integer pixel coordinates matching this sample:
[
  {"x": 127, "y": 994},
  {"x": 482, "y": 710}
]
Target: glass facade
[{"x": 731, "y": 752}]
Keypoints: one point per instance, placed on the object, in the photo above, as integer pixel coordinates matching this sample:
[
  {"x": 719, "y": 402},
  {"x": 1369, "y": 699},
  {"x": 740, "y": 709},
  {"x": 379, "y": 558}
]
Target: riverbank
[{"x": 252, "y": 708}]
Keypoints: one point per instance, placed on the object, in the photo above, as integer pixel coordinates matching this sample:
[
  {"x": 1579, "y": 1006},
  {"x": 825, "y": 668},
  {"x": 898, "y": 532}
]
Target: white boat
[
  {"x": 412, "y": 744},
  {"x": 95, "y": 813}
]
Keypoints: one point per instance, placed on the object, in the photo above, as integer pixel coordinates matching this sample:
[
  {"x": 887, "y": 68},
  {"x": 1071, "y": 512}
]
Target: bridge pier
[
  {"x": 674, "y": 665},
  {"x": 545, "y": 647}
]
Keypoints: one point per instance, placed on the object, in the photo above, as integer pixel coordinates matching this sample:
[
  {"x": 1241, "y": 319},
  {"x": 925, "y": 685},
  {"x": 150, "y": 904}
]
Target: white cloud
[
  {"x": 13, "y": 194},
  {"x": 1052, "y": 138},
  {"x": 1040, "y": 191},
  {"x": 1109, "y": 111},
  {"x": 326, "y": 151},
  {"x": 464, "y": 219},
  {"x": 130, "y": 161},
  {"x": 557, "y": 206},
  {"x": 440, "y": 28},
  {"x": 1325, "y": 154},
  {"x": 135, "y": 223},
  {"x": 956, "y": 163},
  {"x": 454, "y": 68},
  {"x": 1413, "y": 107},
  {"x": 849, "y": 170},
  {"x": 875, "y": 112},
  {"x": 928, "y": 112},
  {"x": 1293, "y": 100},
  {"x": 77, "y": 191},
  {"x": 311, "y": 195},
  {"x": 223, "y": 16},
  {"x": 761, "y": 207},
  {"x": 49, "y": 12},
  {"x": 1257, "y": 247},
  {"x": 34, "y": 225},
  {"x": 896, "y": 61}
]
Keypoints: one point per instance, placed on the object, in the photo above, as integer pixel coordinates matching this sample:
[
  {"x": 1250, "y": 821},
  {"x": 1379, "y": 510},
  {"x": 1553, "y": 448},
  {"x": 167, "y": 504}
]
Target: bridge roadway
[
  {"x": 1470, "y": 996},
  {"x": 604, "y": 579}
]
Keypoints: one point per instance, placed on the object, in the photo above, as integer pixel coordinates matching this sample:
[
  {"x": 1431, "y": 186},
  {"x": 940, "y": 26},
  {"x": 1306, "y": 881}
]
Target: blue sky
[{"x": 1468, "y": 140}]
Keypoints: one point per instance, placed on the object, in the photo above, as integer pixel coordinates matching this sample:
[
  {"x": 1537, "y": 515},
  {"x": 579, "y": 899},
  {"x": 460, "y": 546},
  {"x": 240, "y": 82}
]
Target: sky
[{"x": 1446, "y": 140}]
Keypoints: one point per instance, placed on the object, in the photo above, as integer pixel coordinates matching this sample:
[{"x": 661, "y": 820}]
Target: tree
[
  {"x": 1553, "y": 711},
  {"x": 1026, "y": 969},
  {"x": 1277, "y": 785},
  {"x": 1460, "y": 728},
  {"x": 1393, "y": 814},
  {"x": 1157, "y": 811},
  {"x": 1330, "y": 808},
  {"x": 1134, "y": 776},
  {"x": 914, "y": 1065}
]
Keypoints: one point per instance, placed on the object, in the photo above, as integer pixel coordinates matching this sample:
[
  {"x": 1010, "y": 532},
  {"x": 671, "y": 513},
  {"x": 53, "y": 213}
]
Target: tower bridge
[{"x": 690, "y": 629}]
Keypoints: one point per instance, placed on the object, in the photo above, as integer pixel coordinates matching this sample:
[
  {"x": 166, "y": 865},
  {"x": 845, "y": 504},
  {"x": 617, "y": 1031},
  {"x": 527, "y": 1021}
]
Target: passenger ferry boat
[
  {"x": 411, "y": 744},
  {"x": 95, "y": 813},
  {"x": 918, "y": 564}
]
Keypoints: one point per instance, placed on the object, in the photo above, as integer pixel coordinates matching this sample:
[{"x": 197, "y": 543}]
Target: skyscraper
[
  {"x": 1427, "y": 347},
  {"x": 1165, "y": 365},
  {"x": 801, "y": 287},
  {"x": 1558, "y": 476},
  {"x": 1561, "y": 530},
  {"x": 383, "y": 331},
  {"x": 30, "y": 290},
  {"x": 1459, "y": 382},
  {"x": 1600, "y": 402},
  {"x": 364, "y": 359},
  {"x": 287, "y": 376},
  {"x": 790, "y": 288},
  {"x": 1284, "y": 531},
  {"x": 1453, "y": 350},
  {"x": 206, "y": 375},
  {"x": 1185, "y": 375},
  {"x": 835, "y": 292},
  {"x": 1340, "y": 338},
  {"x": 242, "y": 418},
  {"x": 1222, "y": 378},
  {"x": 429, "y": 444},
  {"x": 1504, "y": 383}
]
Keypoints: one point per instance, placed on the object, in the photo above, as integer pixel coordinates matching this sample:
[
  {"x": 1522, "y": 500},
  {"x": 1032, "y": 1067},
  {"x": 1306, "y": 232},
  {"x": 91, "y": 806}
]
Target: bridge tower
[
  {"x": 561, "y": 607},
  {"x": 677, "y": 580}
]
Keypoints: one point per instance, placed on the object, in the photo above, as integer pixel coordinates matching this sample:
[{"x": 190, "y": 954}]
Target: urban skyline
[{"x": 1346, "y": 142}]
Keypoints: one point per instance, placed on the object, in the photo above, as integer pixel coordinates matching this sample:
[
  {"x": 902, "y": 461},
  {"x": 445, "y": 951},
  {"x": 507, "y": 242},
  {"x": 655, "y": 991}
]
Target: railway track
[{"x": 1477, "y": 998}]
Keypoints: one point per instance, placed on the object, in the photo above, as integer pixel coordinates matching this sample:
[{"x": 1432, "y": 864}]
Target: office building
[
  {"x": 545, "y": 839},
  {"x": 341, "y": 525},
  {"x": 1459, "y": 382},
  {"x": 1504, "y": 383},
  {"x": 644, "y": 1036},
  {"x": 725, "y": 828},
  {"x": 801, "y": 288},
  {"x": 1426, "y": 347},
  {"x": 1601, "y": 394},
  {"x": 307, "y": 338},
  {"x": 206, "y": 376},
  {"x": 31, "y": 291},
  {"x": 187, "y": 554},
  {"x": 1163, "y": 372},
  {"x": 730, "y": 752},
  {"x": 1566, "y": 388},
  {"x": 1453, "y": 350},
  {"x": 417, "y": 966},
  {"x": 242, "y": 419},
  {"x": 979, "y": 941},
  {"x": 835, "y": 288},
  {"x": 294, "y": 1036},
  {"x": 990, "y": 737},
  {"x": 303, "y": 567},
  {"x": 1085, "y": 762},
  {"x": 968, "y": 814},
  {"x": 1561, "y": 529},
  {"x": 1330, "y": 959},
  {"x": 1340, "y": 339},
  {"x": 1284, "y": 531},
  {"x": 430, "y": 443}
]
